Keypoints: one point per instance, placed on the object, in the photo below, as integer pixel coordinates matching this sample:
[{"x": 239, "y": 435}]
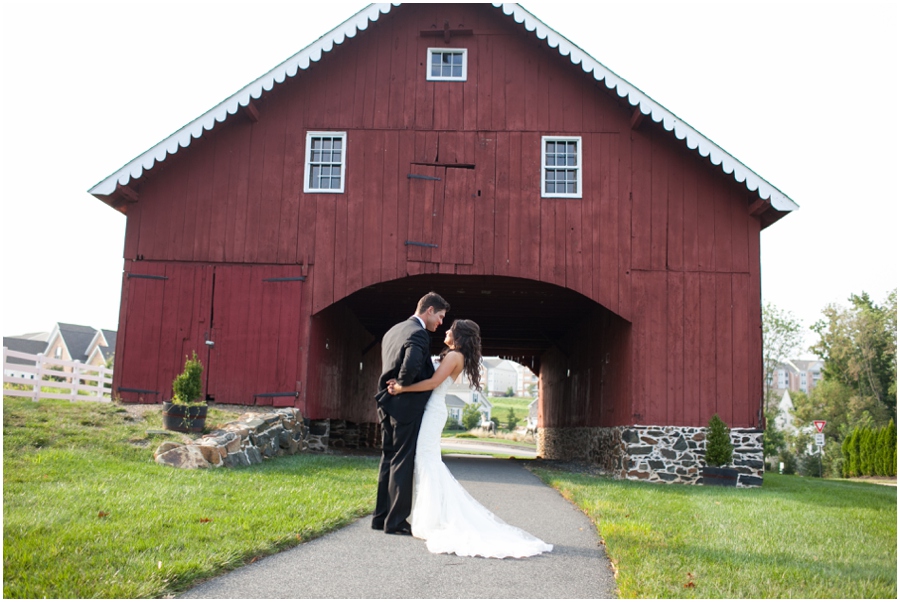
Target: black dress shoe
[
  {"x": 378, "y": 526},
  {"x": 399, "y": 531}
]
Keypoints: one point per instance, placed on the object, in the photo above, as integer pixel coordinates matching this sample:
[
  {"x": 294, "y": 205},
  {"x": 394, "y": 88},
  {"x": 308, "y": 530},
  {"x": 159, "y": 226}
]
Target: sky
[{"x": 803, "y": 93}]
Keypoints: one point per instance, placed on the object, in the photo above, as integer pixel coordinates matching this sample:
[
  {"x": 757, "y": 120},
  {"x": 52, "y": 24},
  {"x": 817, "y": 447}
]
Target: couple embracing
[{"x": 417, "y": 494}]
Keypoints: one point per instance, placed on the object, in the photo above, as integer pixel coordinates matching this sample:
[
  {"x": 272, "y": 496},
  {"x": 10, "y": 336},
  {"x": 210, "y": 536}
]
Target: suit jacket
[{"x": 405, "y": 356}]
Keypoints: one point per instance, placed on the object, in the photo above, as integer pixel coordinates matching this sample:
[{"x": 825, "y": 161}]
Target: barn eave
[{"x": 110, "y": 189}]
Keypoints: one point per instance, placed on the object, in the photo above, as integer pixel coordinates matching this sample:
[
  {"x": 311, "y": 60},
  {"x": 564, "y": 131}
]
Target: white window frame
[
  {"x": 438, "y": 78},
  {"x": 578, "y": 168},
  {"x": 308, "y": 164}
]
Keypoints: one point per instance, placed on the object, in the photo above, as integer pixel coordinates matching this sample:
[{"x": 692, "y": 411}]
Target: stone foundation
[
  {"x": 663, "y": 454},
  {"x": 248, "y": 440},
  {"x": 343, "y": 434}
]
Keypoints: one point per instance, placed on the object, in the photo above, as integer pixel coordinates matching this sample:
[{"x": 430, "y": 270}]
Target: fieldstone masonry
[
  {"x": 248, "y": 440},
  {"x": 664, "y": 454}
]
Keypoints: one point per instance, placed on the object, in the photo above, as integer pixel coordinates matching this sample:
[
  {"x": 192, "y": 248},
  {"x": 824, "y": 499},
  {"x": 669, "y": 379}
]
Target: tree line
[{"x": 857, "y": 396}]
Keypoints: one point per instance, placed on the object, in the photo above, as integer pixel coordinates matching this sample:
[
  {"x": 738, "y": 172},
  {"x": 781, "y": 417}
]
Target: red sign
[{"x": 820, "y": 424}]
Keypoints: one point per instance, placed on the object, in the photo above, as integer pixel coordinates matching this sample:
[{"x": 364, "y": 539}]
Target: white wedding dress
[{"x": 444, "y": 514}]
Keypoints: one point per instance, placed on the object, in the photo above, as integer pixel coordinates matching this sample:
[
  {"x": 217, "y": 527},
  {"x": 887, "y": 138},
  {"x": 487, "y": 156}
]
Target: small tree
[
  {"x": 471, "y": 416},
  {"x": 719, "y": 449},
  {"x": 511, "y": 419},
  {"x": 187, "y": 386},
  {"x": 510, "y": 392}
]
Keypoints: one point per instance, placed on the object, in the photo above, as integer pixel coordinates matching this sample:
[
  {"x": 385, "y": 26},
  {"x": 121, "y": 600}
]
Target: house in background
[
  {"x": 499, "y": 376},
  {"x": 797, "y": 375},
  {"x": 784, "y": 418},
  {"x": 527, "y": 382},
  {"x": 23, "y": 345},
  {"x": 67, "y": 342},
  {"x": 460, "y": 394}
]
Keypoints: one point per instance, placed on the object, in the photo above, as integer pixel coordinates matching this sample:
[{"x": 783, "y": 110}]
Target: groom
[{"x": 406, "y": 357}]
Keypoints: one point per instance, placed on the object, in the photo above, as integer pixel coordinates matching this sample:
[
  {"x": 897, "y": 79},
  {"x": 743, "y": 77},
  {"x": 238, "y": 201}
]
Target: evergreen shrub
[{"x": 719, "y": 449}]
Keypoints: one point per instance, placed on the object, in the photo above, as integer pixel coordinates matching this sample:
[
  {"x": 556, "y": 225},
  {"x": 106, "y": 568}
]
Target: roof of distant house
[{"x": 23, "y": 346}]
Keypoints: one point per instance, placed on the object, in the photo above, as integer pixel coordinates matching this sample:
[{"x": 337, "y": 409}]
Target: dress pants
[{"x": 395, "y": 475}]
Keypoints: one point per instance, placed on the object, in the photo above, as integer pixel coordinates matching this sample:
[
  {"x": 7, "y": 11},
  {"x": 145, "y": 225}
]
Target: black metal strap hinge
[
  {"x": 292, "y": 279},
  {"x": 412, "y": 243},
  {"x": 415, "y": 176}
]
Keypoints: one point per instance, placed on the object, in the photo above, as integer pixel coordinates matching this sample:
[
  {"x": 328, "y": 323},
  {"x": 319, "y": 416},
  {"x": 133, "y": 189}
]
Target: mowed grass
[
  {"x": 792, "y": 538},
  {"x": 501, "y": 406},
  {"x": 87, "y": 513}
]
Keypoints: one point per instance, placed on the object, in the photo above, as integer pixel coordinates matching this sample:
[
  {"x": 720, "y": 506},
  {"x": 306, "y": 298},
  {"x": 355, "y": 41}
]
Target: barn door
[
  {"x": 442, "y": 214},
  {"x": 166, "y": 309},
  {"x": 255, "y": 335}
]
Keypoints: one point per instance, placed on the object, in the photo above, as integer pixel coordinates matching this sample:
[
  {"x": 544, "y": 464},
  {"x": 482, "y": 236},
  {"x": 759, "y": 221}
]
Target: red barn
[{"x": 472, "y": 150}]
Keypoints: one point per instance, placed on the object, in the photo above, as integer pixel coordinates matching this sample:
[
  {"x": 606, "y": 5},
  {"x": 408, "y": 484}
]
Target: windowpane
[{"x": 561, "y": 167}]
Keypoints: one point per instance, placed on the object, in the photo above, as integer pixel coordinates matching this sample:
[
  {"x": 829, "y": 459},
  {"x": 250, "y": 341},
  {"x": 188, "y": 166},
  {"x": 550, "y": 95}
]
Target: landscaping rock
[
  {"x": 184, "y": 456},
  {"x": 164, "y": 447}
]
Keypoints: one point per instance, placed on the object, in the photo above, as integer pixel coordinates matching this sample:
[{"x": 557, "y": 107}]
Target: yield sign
[{"x": 820, "y": 424}]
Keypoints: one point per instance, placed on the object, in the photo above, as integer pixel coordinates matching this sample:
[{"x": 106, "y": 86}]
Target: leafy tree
[
  {"x": 471, "y": 416},
  {"x": 859, "y": 347},
  {"x": 781, "y": 338},
  {"x": 773, "y": 439},
  {"x": 510, "y": 392},
  {"x": 511, "y": 419}
]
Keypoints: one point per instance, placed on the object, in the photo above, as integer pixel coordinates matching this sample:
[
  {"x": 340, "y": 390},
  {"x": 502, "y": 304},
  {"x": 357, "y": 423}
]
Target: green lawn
[
  {"x": 503, "y": 404},
  {"x": 792, "y": 538},
  {"x": 87, "y": 513}
]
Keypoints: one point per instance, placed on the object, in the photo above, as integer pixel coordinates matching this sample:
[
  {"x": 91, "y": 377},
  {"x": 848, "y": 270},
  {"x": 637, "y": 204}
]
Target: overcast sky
[{"x": 804, "y": 94}]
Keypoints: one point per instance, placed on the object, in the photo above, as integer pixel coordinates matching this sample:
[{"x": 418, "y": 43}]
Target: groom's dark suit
[{"x": 405, "y": 357}]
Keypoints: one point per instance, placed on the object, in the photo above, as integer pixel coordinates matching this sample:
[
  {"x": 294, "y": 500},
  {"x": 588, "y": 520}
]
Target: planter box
[
  {"x": 184, "y": 419},
  {"x": 723, "y": 477}
]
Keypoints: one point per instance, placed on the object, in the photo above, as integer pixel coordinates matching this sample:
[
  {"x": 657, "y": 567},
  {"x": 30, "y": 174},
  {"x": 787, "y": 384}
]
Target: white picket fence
[{"x": 83, "y": 383}]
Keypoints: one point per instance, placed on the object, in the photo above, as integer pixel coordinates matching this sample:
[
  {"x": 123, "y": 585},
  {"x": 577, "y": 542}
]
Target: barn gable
[{"x": 120, "y": 183}]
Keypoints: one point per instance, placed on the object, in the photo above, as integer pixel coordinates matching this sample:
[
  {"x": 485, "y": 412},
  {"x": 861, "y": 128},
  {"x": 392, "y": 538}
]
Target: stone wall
[
  {"x": 343, "y": 434},
  {"x": 248, "y": 440},
  {"x": 667, "y": 454}
]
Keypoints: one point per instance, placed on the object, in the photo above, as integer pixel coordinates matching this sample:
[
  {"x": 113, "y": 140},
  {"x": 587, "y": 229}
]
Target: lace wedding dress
[{"x": 444, "y": 514}]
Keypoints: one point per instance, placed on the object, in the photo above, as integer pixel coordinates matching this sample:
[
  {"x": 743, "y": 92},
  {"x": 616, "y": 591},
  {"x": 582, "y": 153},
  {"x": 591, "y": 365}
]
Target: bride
[{"x": 444, "y": 514}]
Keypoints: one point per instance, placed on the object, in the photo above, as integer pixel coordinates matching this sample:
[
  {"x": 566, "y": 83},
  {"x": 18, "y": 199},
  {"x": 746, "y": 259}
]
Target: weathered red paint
[{"x": 661, "y": 240}]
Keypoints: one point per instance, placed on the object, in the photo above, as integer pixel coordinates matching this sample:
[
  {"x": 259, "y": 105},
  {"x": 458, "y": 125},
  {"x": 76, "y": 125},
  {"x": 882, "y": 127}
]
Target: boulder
[
  {"x": 164, "y": 447},
  {"x": 184, "y": 456}
]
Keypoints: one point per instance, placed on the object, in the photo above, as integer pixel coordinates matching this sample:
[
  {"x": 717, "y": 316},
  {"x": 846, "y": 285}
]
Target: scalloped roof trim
[{"x": 693, "y": 139}]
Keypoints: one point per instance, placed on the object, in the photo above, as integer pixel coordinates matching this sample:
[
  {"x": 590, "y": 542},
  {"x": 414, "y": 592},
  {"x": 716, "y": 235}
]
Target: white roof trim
[{"x": 693, "y": 139}]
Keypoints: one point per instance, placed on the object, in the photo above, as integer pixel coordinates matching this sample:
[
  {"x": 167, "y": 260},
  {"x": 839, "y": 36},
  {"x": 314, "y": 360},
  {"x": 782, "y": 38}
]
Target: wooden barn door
[
  {"x": 166, "y": 311},
  {"x": 442, "y": 214},
  {"x": 255, "y": 335}
]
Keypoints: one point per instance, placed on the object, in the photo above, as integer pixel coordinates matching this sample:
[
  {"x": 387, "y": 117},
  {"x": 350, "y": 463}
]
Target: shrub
[
  {"x": 187, "y": 386},
  {"x": 789, "y": 461},
  {"x": 471, "y": 417},
  {"x": 511, "y": 419},
  {"x": 719, "y": 450}
]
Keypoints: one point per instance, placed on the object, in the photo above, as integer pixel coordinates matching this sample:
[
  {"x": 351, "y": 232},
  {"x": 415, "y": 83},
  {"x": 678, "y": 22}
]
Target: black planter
[
  {"x": 723, "y": 477},
  {"x": 184, "y": 419}
]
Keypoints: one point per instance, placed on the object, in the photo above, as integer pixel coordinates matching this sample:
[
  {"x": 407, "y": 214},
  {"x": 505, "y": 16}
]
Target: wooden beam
[
  {"x": 636, "y": 118},
  {"x": 759, "y": 207},
  {"x": 126, "y": 193},
  {"x": 251, "y": 111},
  {"x": 446, "y": 32}
]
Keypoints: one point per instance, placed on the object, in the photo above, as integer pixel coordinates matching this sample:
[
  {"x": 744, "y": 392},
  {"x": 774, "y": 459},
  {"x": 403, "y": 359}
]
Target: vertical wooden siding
[{"x": 660, "y": 238}]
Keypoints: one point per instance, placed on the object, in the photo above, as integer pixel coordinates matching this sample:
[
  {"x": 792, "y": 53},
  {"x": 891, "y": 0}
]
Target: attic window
[
  {"x": 326, "y": 154},
  {"x": 561, "y": 167},
  {"x": 447, "y": 64}
]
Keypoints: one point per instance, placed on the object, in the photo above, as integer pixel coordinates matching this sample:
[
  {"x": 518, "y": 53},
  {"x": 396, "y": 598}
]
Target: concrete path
[
  {"x": 488, "y": 447},
  {"x": 357, "y": 562}
]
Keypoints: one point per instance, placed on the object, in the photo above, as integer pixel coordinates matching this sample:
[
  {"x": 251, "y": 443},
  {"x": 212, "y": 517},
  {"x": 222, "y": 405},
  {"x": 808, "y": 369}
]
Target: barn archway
[{"x": 579, "y": 349}]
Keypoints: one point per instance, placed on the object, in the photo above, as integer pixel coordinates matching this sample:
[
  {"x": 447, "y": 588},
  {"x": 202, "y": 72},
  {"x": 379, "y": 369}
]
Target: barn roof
[{"x": 693, "y": 139}]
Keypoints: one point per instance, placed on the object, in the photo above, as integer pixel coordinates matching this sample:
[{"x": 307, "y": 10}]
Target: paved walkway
[{"x": 357, "y": 562}]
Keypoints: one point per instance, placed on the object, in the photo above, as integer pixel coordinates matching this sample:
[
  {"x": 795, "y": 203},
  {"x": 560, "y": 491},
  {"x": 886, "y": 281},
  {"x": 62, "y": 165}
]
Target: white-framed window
[
  {"x": 326, "y": 160},
  {"x": 446, "y": 64},
  {"x": 561, "y": 167}
]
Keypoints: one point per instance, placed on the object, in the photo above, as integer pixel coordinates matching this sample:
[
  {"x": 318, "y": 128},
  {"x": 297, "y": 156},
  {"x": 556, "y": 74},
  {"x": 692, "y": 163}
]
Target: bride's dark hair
[{"x": 467, "y": 340}]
